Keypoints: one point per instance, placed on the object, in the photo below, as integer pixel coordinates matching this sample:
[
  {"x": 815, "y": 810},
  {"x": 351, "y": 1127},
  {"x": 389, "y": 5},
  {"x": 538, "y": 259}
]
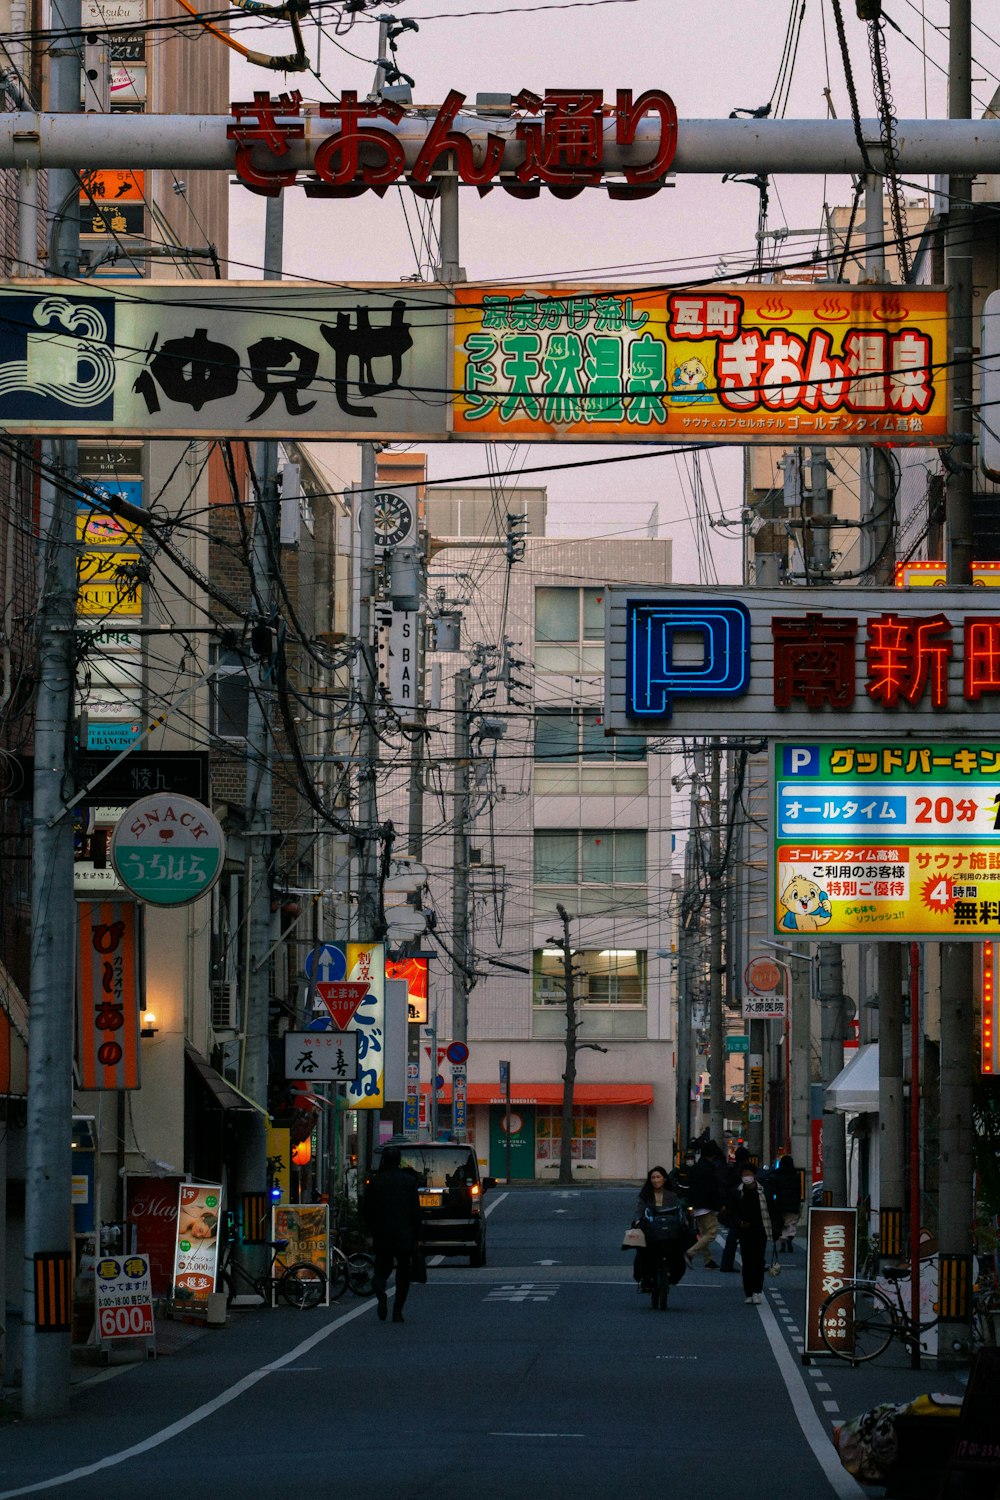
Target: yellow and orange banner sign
[
  {"x": 109, "y": 975},
  {"x": 832, "y": 364},
  {"x": 112, "y": 185}
]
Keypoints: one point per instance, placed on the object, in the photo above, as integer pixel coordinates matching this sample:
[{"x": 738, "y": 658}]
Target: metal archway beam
[{"x": 713, "y": 147}]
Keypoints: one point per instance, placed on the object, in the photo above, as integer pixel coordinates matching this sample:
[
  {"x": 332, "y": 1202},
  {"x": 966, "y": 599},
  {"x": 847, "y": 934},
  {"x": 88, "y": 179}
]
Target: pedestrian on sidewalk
[
  {"x": 786, "y": 1202},
  {"x": 749, "y": 1210},
  {"x": 391, "y": 1209},
  {"x": 707, "y": 1184}
]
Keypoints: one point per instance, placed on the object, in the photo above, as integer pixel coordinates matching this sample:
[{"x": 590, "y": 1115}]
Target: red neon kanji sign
[
  {"x": 982, "y": 656},
  {"x": 907, "y": 656},
  {"x": 814, "y": 660}
]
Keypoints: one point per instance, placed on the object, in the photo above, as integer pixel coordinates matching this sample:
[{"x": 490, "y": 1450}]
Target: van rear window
[{"x": 439, "y": 1169}]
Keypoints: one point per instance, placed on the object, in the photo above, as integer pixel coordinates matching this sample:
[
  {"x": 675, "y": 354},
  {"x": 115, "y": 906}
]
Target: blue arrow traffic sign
[{"x": 330, "y": 962}]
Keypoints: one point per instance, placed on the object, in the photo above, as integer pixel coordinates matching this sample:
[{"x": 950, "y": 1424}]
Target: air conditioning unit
[{"x": 225, "y": 1016}]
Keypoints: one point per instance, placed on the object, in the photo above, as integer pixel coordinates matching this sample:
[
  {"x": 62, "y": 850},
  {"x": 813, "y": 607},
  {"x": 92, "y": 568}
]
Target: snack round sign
[{"x": 168, "y": 850}]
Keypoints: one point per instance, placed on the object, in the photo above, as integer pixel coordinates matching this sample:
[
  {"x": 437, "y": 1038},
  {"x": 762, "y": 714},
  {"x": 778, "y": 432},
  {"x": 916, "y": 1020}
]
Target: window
[
  {"x": 574, "y": 757},
  {"x": 605, "y": 976},
  {"x": 590, "y": 857},
  {"x": 569, "y": 630},
  {"x": 230, "y": 695},
  {"x": 565, "y": 734},
  {"x": 548, "y": 1135}
]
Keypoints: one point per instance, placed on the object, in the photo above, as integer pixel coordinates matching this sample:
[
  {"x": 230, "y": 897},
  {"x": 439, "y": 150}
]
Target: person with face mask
[{"x": 748, "y": 1211}]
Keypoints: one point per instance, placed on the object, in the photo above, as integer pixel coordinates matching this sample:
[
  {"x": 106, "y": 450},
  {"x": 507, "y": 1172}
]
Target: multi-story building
[{"x": 558, "y": 815}]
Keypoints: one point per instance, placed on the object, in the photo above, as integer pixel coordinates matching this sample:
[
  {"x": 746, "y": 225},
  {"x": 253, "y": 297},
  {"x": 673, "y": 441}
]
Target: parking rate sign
[{"x": 886, "y": 840}]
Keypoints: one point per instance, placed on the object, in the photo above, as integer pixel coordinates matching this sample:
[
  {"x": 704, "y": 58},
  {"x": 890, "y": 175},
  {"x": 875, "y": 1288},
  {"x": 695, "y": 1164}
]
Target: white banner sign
[
  {"x": 763, "y": 1007},
  {"x": 251, "y": 359}
]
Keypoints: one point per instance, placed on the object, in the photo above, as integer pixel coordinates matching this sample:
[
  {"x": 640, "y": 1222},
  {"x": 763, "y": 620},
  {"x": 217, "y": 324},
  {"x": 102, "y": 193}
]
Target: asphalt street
[{"x": 542, "y": 1373}]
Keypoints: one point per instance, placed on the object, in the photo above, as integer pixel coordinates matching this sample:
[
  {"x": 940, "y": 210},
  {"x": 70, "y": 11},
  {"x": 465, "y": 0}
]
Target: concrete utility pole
[
  {"x": 891, "y": 1176},
  {"x": 48, "y": 1256},
  {"x": 831, "y": 962},
  {"x": 878, "y": 503},
  {"x": 460, "y": 862},
  {"x": 265, "y": 563},
  {"x": 716, "y": 1020},
  {"x": 955, "y": 1192},
  {"x": 365, "y": 927}
]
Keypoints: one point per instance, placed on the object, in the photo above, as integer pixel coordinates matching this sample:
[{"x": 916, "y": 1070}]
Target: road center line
[{"x": 813, "y": 1430}]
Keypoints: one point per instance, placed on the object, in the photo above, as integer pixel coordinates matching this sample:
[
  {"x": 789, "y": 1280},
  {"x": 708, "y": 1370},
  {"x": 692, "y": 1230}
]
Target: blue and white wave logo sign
[
  {"x": 57, "y": 358},
  {"x": 683, "y": 648}
]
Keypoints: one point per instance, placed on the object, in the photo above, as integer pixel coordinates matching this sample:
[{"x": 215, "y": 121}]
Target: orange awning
[{"x": 621, "y": 1094}]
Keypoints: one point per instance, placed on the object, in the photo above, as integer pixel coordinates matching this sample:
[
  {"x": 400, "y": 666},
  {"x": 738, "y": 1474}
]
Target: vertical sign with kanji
[
  {"x": 109, "y": 983},
  {"x": 831, "y": 1260}
]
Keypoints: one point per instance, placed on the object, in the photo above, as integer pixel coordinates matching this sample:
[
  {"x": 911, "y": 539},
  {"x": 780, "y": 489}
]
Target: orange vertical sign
[{"x": 108, "y": 968}]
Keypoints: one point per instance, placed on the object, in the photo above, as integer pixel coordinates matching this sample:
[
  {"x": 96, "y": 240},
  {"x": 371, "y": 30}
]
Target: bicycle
[
  {"x": 300, "y": 1285},
  {"x": 859, "y": 1321},
  {"x": 354, "y": 1271}
]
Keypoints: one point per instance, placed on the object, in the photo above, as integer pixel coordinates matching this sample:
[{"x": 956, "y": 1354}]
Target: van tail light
[{"x": 476, "y": 1190}]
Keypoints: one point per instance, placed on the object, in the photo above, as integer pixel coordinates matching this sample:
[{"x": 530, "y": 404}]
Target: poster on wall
[{"x": 196, "y": 1251}]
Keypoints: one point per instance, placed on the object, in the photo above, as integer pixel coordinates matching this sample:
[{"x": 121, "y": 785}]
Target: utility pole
[
  {"x": 955, "y": 1193},
  {"x": 47, "y": 1248},
  {"x": 366, "y": 926},
  {"x": 252, "y": 1157},
  {"x": 879, "y": 555},
  {"x": 460, "y": 861},
  {"x": 368, "y": 904},
  {"x": 831, "y": 963},
  {"x": 716, "y": 1020}
]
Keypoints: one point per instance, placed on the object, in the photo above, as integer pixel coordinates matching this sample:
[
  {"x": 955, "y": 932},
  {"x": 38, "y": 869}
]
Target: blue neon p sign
[{"x": 654, "y": 678}]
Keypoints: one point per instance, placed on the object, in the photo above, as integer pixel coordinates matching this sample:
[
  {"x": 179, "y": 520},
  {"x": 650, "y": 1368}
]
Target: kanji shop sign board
[
  {"x": 123, "y": 1298},
  {"x": 323, "y": 1056},
  {"x": 821, "y": 664},
  {"x": 540, "y": 363},
  {"x": 109, "y": 991},
  {"x": 360, "y": 964},
  {"x": 250, "y": 359},
  {"x": 735, "y": 364},
  {"x": 886, "y": 840}
]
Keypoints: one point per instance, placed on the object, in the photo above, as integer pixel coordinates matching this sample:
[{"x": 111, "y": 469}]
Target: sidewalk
[{"x": 839, "y": 1391}]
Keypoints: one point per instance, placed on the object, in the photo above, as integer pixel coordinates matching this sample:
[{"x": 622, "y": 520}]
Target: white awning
[{"x": 854, "y": 1091}]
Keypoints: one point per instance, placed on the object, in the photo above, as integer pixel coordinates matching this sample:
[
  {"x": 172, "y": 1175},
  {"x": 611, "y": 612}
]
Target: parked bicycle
[
  {"x": 299, "y": 1285},
  {"x": 354, "y": 1271},
  {"x": 859, "y": 1321}
]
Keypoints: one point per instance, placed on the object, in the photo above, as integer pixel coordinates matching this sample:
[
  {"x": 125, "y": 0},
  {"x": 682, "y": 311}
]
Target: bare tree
[{"x": 573, "y": 1046}]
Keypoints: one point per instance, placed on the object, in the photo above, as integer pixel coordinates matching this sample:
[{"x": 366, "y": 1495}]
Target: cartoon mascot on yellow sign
[{"x": 805, "y": 905}]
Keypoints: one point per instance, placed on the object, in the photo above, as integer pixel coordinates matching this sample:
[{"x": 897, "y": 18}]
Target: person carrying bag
[{"x": 663, "y": 1221}]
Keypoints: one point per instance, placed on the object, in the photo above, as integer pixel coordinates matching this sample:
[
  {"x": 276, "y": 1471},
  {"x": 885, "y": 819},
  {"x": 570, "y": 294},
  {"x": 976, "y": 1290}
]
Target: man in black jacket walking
[{"x": 391, "y": 1209}]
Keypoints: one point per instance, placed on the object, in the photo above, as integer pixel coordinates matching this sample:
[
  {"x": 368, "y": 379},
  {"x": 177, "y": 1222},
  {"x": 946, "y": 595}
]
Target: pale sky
[{"x": 712, "y": 56}]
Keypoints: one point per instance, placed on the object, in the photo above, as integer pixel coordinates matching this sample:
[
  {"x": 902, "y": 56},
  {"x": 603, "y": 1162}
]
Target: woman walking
[{"x": 748, "y": 1210}]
